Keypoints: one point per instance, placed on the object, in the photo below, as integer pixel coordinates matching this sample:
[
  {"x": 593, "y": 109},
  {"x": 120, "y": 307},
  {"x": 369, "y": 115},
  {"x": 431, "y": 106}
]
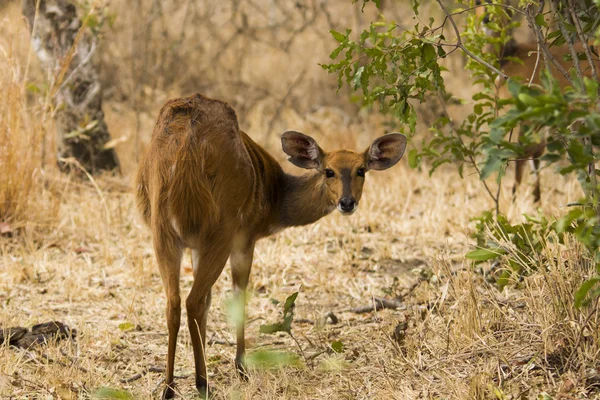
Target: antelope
[
  {"x": 206, "y": 185},
  {"x": 530, "y": 68}
]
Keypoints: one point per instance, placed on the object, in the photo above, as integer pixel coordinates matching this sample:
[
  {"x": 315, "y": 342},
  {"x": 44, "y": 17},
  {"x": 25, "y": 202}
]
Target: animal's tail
[
  {"x": 142, "y": 196},
  {"x": 191, "y": 201}
]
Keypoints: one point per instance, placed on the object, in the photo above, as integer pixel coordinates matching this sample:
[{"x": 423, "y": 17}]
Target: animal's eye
[
  {"x": 329, "y": 173},
  {"x": 361, "y": 172}
]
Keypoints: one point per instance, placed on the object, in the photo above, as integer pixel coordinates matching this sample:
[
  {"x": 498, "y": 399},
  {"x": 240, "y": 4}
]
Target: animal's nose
[{"x": 347, "y": 204}]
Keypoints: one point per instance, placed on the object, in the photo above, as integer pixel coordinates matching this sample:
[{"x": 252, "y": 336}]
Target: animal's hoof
[
  {"x": 241, "y": 368},
  {"x": 203, "y": 389},
  {"x": 168, "y": 393}
]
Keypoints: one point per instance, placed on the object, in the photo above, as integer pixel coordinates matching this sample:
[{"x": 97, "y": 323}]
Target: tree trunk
[{"x": 66, "y": 49}]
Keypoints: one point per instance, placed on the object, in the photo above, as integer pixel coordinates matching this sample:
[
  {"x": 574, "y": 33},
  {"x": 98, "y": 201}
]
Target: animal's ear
[
  {"x": 303, "y": 151},
  {"x": 385, "y": 151}
]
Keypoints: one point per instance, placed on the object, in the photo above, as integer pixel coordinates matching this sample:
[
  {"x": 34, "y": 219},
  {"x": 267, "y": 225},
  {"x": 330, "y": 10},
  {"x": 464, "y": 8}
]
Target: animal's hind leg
[
  {"x": 537, "y": 193},
  {"x": 208, "y": 262},
  {"x": 168, "y": 256},
  {"x": 519, "y": 165}
]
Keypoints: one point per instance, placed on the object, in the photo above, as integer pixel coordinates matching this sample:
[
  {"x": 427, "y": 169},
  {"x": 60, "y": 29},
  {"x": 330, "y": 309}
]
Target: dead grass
[
  {"x": 21, "y": 132},
  {"x": 464, "y": 339},
  {"x": 84, "y": 258}
]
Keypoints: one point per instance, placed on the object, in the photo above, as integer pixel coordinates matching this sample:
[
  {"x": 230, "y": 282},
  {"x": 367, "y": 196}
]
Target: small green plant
[
  {"x": 521, "y": 245},
  {"x": 285, "y": 325},
  {"x": 266, "y": 359},
  {"x": 106, "y": 393}
]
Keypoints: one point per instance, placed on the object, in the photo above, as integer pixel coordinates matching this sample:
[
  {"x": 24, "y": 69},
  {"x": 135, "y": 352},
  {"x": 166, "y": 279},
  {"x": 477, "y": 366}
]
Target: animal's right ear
[
  {"x": 385, "y": 151},
  {"x": 303, "y": 151}
]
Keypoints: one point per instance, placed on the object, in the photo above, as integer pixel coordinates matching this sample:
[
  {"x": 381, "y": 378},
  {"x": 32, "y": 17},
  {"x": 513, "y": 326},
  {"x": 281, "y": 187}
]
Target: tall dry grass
[{"x": 22, "y": 130}]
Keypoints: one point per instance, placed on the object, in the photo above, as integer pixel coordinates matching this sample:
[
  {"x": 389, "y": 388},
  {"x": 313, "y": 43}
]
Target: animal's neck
[
  {"x": 290, "y": 200},
  {"x": 303, "y": 200}
]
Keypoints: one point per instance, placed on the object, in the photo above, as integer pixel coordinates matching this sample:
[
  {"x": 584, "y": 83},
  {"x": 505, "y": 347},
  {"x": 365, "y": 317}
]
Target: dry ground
[{"x": 95, "y": 271}]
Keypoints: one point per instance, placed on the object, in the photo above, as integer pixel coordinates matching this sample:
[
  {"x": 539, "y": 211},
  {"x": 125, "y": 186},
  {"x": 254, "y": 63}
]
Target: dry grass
[
  {"x": 95, "y": 271},
  {"x": 21, "y": 132},
  {"x": 84, "y": 258}
]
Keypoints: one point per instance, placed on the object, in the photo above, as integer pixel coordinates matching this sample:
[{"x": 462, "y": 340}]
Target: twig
[
  {"x": 548, "y": 57},
  {"x": 77, "y": 68},
  {"x": 73, "y": 361},
  {"x": 378, "y": 304},
  {"x": 307, "y": 23},
  {"x": 317, "y": 354},
  {"x": 75, "y": 162},
  {"x": 580, "y": 332},
  {"x": 583, "y": 40},
  {"x": 460, "y": 45},
  {"x": 31, "y": 383},
  {"x": 283, "y": 100},
  {"x": 568, "y": 41},
  {"x": 141, "y": 374},
  {"x": 309, "y": 362},
  {"x": 471, "y": 158}
]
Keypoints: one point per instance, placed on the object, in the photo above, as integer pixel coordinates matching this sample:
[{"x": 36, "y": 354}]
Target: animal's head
[{"x": 344, "y": 170}]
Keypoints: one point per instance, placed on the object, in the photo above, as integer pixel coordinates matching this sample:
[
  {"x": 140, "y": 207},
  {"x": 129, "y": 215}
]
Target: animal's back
[
  {"x": 527, "y": 53},
  {"x": 196, "y": 172}
]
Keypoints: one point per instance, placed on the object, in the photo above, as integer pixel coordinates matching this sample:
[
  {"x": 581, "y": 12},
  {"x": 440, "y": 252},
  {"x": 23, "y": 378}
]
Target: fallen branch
[
  {"x": 378, "y": 304},
  {"x": 151, "y": 369}
]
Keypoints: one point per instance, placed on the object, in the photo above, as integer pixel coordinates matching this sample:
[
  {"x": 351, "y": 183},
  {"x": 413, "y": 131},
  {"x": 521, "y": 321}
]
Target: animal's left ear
[
  {"x": 303, "y": 151},
  {"x": 385, "y": 151}
]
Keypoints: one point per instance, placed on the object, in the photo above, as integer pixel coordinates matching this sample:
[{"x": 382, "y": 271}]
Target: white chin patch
[{"x": 346, "y": 213}]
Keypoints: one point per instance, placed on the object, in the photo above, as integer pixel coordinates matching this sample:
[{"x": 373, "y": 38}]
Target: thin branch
[
  {"x": 277, "y": 113},
  {"x": 568, "y": 41},
  {"x": 77, "y": 68},
  {"x": 471, "y": 158},
  {"x": 537, "y": 53},
  {"x": 376, "y": 305},
  {"x": 548, "y": 57},
  {"x": 587, "y": 141},
  {"x": 583, "y": 40},
  {"x": 460, "y": 45},
  {"x": 485, "y": 5},
  {"x": 144, "y": 372}
]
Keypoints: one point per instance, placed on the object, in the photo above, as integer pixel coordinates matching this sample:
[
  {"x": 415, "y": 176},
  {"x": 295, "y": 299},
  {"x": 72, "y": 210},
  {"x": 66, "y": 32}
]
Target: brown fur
[{"x": 206, "y": 185}]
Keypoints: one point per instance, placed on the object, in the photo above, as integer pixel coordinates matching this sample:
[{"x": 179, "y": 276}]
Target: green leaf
[
  {"x": 126, "y": 326},
  {"x": 581, "y": 296},
  {"x": 429, "y": 53},
  {"x": 485, "y": 254},
  {"x": 492, "y": 164},
  {"x": 358, "y": 77},
  {"x": 106, "y": 393},
  {"x": 337, "y": 346},
  {"x": 413, "y": 158},
  {"x": 272, "y": 328},
  {"x": 288, "y": 317},
  {"x": 540, "y": 21},
  {"x": 503, "y": 280},
  {"x": 271, "y": 359},
  {"x": 32, "y": 88},
  {"x": 340, "y": 37},
  {"x": 290, "y": 302}
]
